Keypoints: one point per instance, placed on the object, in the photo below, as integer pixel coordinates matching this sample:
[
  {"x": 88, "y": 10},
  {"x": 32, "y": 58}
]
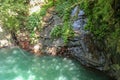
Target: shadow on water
[{"x": 17, "y": 64}]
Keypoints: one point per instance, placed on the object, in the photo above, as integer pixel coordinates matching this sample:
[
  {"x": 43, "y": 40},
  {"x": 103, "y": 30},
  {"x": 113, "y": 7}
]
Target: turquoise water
[{"x": 16, "y": 64}]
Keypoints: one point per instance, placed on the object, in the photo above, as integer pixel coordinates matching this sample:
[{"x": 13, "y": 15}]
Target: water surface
[{"x": 16, "y": 64}]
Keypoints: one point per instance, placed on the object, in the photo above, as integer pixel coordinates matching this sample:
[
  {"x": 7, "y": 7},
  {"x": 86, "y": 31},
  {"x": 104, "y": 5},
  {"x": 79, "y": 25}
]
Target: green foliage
[
  {"x": 99, "y": 14},
  {"x": 33, "y": 25},
  {"x": 67, "y": 32},
  {"x": 33, "y": 22},
  {"x": 13, "y": 13},
  {"x": 104, "y": 24},
  {"x": 116, "y": 68},
  {"x": 64, "y": 32},
  {"x": 56, "y": 32},
  {"x": 45, "y": 7},
  {"x": 102, "y": 21},
  {"x": 63, "y": 8}
]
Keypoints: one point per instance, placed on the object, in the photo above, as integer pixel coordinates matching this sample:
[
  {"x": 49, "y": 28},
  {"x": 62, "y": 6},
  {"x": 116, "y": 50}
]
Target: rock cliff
[{"x": 81, "y": 47}]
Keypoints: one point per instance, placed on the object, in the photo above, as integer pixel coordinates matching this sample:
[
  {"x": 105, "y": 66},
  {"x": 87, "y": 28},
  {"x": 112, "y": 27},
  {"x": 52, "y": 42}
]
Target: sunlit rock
[
  {"x": 1, "y": 30},
  {"x": 81, "y": 13},
  {"x": 52, "y": 51},
  {"x": 74, "y": 11},
  {"x": 4, "y": 42},
  {"x": 34, "y": 9}
]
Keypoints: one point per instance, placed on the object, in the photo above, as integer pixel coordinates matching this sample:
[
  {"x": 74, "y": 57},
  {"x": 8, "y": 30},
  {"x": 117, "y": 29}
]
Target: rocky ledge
[{"x": 81, "y": 47}]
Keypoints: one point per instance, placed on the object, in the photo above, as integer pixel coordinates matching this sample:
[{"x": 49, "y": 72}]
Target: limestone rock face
[
  {"x": 81, "y": 47},
  {"x": 50, "y": 46}
]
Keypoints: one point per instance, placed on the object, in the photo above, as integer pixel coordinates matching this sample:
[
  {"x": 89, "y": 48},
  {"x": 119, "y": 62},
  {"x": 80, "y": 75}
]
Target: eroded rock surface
[
  {"x": 81, "y": 47},
  {"x": 50, "y": 46}
]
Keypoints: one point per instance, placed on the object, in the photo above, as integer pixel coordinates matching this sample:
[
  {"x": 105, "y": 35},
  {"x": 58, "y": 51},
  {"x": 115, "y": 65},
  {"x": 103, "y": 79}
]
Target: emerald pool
[{"x": 17, "y": 64}]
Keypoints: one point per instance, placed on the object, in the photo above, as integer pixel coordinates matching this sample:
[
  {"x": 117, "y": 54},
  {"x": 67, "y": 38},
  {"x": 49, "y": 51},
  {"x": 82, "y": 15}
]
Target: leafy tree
[{"x": 13, "y": 15}]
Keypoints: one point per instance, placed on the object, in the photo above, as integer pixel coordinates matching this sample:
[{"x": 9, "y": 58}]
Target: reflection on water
[{"x": 18, "y": 65}]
